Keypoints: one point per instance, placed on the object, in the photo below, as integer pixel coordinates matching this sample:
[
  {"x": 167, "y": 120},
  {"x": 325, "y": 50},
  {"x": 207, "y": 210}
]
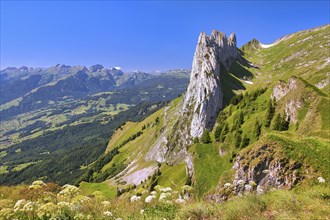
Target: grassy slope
[
  {"x": 133, "y": 153},
  {"x": 308, "y": 141},
  {"x": 107, "y": 190},
  {"x": 209, "y": 166},
  {"x": 275, "y": 63},
  {"x": 303, "y": 54}
]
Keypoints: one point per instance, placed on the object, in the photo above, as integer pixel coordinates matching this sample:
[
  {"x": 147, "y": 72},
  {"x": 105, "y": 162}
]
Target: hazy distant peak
[{"x": 96, "y": 68}]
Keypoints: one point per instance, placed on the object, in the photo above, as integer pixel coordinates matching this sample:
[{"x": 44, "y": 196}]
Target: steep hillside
[{"x": 273, "y": 131}]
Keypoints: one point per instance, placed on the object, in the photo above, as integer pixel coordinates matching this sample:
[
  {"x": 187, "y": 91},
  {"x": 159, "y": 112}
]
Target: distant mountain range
[{"x": 62, "y": 81}]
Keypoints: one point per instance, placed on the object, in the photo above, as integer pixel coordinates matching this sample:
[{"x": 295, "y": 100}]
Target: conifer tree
[
  {"x": 245, "y": 141},
  {"x": 277, "y": 122},
  {"x": 238, "y": 138},
  {"x": 206, "y": 139},
  {"x": 270, "y": 112},
  {"x": 257, "y": 129},
  {"x": 224, "y": 132},
  {"x": 217, "y": 132}
]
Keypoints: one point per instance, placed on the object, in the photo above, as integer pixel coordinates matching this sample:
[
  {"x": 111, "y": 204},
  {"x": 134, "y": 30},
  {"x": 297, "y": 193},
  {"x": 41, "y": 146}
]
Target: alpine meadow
[{"x": 243, "y": 134}]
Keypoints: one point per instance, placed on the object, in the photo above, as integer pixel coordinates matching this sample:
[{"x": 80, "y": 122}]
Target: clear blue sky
[{"x": 145, "y": 35}]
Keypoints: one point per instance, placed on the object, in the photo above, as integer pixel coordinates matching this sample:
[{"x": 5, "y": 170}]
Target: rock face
[
  {"x": 264, "y": 167},
  {"x": 204, "y": 95},
  {"x": 282, "y": 88},
  {"x": 259, "y": 169},
  {"x": 286, "y": 92}
]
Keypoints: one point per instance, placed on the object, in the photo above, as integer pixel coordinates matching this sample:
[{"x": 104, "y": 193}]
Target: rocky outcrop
[
  {"x": 204, "y": 95},
  {"x": 292, "y": 102},
  {"x": 283, "y": 88},
  {"x": 262, "y": 168},
  {"x": 259, "y": 169}
]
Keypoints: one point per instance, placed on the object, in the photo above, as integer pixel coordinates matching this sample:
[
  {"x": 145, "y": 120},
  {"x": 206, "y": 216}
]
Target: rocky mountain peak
[
  {"x": 204, "y": 95},
  {"x": 96, "y": 68}
]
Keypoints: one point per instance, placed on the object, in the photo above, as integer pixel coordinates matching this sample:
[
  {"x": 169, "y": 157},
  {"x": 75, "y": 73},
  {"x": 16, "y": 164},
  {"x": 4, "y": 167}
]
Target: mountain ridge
[{"x": 246, "y": 108}]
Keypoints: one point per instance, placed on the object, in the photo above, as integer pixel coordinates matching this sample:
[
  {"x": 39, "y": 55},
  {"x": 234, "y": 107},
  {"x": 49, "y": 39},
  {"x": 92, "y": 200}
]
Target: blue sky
[{"x": 143, "y": 35}]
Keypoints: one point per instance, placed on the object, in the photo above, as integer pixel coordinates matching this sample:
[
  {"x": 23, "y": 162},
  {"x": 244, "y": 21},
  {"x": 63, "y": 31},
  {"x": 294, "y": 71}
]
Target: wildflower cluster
[
  {"x": 164, "y": 195},
  {"x": 55, "y": 203}
]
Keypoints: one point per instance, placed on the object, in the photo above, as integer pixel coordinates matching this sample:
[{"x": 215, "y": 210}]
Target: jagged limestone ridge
[{"x": 204, "y": 97}]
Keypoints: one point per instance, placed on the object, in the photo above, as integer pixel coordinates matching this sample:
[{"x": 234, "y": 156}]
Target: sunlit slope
[
  {"x": 138, "y": 153},
  {"x": 304, "y": 54}
]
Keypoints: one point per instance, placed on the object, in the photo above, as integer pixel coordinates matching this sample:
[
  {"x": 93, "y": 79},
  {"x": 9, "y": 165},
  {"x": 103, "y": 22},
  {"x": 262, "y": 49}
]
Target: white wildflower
[
  {"x": 179, "y": 200},
  {"x": 153, "y": 193},
  {"x": 80, "y": 199},
  {"x": 107, "y": 213},
  {"x": 141, "y": 211},
  {"x": 35, "y": 187},
  {"x": 30, "y": 207},
  {"x": 149, "y": 198},
  {"x": 19, "y": 205},
  {"x": 260, "y": 190},
  {"x": 66, "y": 205},
  {"x": 321, "y": 180},
  {"x": 241, "y": 182},
  {"x": 248, "y": 188},
  {"x": 106, "y": 203},
  {"x": 69, "y": 191},
  {"x": 135, "y": 198},
  {"x": 227, "y": 185},
  {"x": 45, "y": 211},
  {"x": 164, "y": 196},
  {"x": 39, "y": 183},
  {"x": 166, "y": 190}
]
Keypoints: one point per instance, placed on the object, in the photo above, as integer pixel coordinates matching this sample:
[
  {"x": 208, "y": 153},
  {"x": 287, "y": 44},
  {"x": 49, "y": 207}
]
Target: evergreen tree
[
  {"x": 238, "y": 122},
  {"x": 238, "y": 138},
  {"x": 196, "y": 140},
  {"x": 277, "y": 122},
  {"x": 240, "y": 119},
  {"x": 222, "y": 116},
  {"x": 270, "y": 112},
  {"x": 206, "y": 139},
  {"x": 236, "y": 99},
  {"x": 217, "y": 132},
  {"x": 257, "y": 130},
  {"x": 245, "y": 141},
  {"x": 224, "y": 132},
  {"x": 284, "y": 125}
]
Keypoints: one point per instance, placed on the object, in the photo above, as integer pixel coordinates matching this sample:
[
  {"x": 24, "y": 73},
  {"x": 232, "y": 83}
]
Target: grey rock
[{"x": 204, "y": 97}]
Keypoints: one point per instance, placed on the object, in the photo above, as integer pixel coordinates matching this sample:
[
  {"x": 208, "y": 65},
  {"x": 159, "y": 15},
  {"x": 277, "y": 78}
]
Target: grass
[
  {"x": 209, "y": 166},
  {"x": 173, "y": 176},
  {"x": 3, "y": 169},
  {"x": 312, "y": 203},
  {"x": 312, "y": 151},
  {"x": 107, "y": 190},
  {"x": 22, "y": 166}
]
